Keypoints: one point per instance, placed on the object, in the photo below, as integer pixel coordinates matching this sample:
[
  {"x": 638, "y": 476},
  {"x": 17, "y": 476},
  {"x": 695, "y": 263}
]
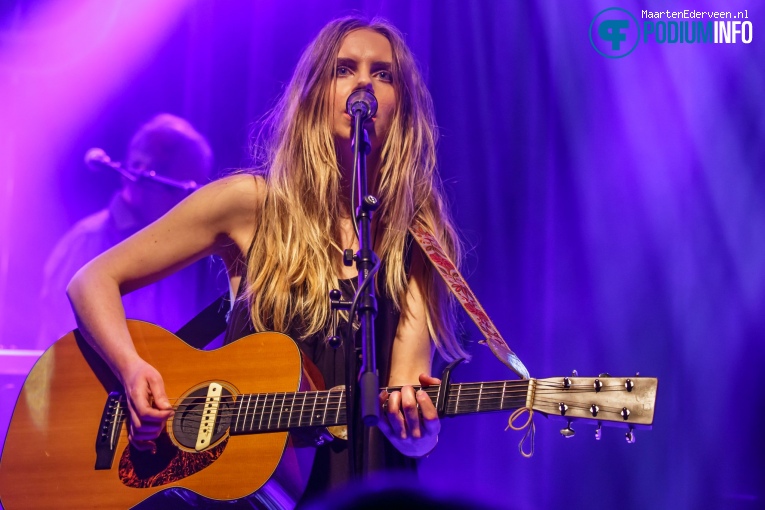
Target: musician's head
[
  {"x": 171, "y": 147},
  {"x": 308, "y": 129}
]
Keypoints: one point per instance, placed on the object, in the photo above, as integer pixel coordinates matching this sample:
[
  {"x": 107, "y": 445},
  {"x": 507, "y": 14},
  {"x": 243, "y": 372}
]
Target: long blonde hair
[{"x": 292, "y": 265}]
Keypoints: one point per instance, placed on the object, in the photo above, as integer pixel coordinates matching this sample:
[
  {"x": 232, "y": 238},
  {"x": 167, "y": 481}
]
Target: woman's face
[{"x": 365, "y": 61}]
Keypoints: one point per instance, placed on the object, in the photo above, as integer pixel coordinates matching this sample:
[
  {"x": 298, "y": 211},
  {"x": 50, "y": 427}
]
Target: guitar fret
[
  {"x": 291, "y": 397},
  {"x": 502, "y": 399},
  {"x": 246, "y": 411},
  {"x": 254, "y": 411},
  {"x": 478, "y": 404},
  {"x": 313, "y": 408},
  {"x": 271, "y": 414},
  {"x": 247, "y": 414},
  {"x": 278, "y": 423},
  {"x": 281, "y": 410},
  {"x": 326, "y": 405},
  {"x": 302, "y": 408},
  {"x": 263, "y": 413},
  {"x": 289, "y": 413},
  {"x": 238, "y": 412},
  {"x": 339, "y": 405}
]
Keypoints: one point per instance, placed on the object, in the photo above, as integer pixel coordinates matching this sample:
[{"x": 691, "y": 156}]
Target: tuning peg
[
  {"x": 598, "y": 384},
  {"x": 574, "y": 373},
  {"x": 568, "y": 431},
  {"x": 630, "y": 435},
  {"x": 604, "y": 374},
  {"x": 629, "y": 384},
  {"x": 598, "y": 433}
]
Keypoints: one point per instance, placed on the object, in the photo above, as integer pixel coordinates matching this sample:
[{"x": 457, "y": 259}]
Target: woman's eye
[
  {"x": 385, "y": 76},
  {"x": 342, "y": 71}
]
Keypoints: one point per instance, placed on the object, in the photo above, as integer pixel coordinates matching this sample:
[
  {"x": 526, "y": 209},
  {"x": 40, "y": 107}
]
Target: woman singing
[{"x": 281, "y": 230}]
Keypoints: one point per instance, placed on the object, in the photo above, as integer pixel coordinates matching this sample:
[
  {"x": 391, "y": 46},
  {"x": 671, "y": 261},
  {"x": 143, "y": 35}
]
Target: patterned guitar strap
[{"x": 459, "y": 287}]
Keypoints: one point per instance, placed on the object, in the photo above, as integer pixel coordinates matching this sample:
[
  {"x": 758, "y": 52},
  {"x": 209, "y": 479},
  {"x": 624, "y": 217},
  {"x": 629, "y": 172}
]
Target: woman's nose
[{"x": 364, "y": 80}]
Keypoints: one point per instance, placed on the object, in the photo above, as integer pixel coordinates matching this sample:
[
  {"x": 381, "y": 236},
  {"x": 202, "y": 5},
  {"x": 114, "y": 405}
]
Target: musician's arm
[
  {"x": 413, "y": 432},
  {"x": 218, "y": 218}
]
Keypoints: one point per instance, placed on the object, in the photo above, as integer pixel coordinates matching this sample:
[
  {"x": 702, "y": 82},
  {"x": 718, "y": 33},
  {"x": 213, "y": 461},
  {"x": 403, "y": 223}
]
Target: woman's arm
[
  {"x": 413, "y": 431},
  {"x": 217, "y": 219}
]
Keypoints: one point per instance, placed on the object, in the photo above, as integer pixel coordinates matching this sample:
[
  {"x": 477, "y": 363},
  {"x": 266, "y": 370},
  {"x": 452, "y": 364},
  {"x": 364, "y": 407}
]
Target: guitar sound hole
[{"x": 189, "y": 413}]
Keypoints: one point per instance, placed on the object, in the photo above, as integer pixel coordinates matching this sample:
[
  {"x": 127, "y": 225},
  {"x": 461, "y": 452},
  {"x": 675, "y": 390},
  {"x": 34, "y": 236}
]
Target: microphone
[
  {"x": 97, "y": 159},
  {"x": 361, "y": 102}
]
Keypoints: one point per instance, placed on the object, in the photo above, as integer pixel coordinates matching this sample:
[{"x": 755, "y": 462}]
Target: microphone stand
[{"x": 367, "y": 384}]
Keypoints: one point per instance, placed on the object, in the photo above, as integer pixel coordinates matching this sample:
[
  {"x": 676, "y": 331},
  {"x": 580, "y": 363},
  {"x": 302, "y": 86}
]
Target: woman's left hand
[{"x": 410, "y": 420}]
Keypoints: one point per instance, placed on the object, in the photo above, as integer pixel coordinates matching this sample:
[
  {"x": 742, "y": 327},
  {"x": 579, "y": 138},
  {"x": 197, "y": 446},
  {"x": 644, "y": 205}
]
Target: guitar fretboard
[{"x": 263, "y": 412}]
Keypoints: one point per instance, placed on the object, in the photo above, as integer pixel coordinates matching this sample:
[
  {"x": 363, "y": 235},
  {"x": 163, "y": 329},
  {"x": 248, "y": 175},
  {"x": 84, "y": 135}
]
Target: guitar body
[{"x": 49, "y": 456}]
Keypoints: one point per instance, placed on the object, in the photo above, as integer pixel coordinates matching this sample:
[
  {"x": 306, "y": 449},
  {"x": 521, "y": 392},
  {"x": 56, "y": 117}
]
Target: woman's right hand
[{"x": 148, "y": 404}]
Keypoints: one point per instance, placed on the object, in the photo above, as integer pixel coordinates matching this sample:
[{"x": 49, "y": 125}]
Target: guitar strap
[
  {"x": 207, "y": 324},
  {"x": 494, "y": 340},
  {"x": 467, "y": 299}
]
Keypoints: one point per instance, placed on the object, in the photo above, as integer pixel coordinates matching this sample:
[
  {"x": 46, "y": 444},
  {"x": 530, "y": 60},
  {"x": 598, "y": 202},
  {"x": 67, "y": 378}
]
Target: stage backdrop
[{"x": 613, "y": 208}]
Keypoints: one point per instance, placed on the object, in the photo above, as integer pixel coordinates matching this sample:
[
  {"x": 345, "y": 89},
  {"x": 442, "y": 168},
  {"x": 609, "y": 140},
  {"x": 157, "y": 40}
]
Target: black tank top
[{"x": 330, "y": 468}]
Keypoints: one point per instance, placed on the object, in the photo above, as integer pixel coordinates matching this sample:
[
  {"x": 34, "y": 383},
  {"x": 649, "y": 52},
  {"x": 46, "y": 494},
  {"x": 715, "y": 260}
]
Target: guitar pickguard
[{"x": 140, "y": 469}]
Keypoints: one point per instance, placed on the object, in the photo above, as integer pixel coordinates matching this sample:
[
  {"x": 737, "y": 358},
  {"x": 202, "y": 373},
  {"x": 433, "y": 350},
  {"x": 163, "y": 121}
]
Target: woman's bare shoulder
[
  {"x": 234, "y": 203},
  {"x": 231, "y": 200},
  {"x": 239, "y": 190}
]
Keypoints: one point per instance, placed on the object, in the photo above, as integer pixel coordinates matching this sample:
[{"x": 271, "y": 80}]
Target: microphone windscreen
[
  {"x": 361, "y": 100},
  {"x": 96, "y": 158}
]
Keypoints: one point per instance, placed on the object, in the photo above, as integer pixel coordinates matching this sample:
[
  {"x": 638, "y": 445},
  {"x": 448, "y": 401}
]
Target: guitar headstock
[{"x": 604, "y": 400}]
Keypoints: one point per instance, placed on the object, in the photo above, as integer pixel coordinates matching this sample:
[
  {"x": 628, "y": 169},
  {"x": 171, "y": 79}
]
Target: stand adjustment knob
[{"x": 336, "y": 304}]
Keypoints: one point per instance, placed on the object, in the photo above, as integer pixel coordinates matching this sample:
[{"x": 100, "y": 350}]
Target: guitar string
[
  {"x": 315, "y": 395},
  {"x": 325, "y": 398},
  {"x": 279, "y": 399},
  {"x": 306, "y": 418},
  {"x": 490, "y": 404},
  {"x": 303, "y": 420},
  {"x": 434, "y": 389},
  {"x": 465, "y": 395}
]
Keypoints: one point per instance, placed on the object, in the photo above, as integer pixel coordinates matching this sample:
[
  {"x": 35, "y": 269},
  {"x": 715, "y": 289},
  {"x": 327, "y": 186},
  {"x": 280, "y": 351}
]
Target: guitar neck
[{"x": 271, "y": 412}]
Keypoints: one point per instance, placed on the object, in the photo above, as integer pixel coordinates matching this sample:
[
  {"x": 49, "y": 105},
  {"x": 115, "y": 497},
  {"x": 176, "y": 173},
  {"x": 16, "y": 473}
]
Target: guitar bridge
[
  {"x": 109, "y": 430},
  {"x": 209, "y": 414}
]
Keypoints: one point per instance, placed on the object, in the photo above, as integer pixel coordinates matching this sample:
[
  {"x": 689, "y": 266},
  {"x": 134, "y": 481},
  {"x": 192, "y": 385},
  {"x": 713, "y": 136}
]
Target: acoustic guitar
[{"x": 236, "y": 411}]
